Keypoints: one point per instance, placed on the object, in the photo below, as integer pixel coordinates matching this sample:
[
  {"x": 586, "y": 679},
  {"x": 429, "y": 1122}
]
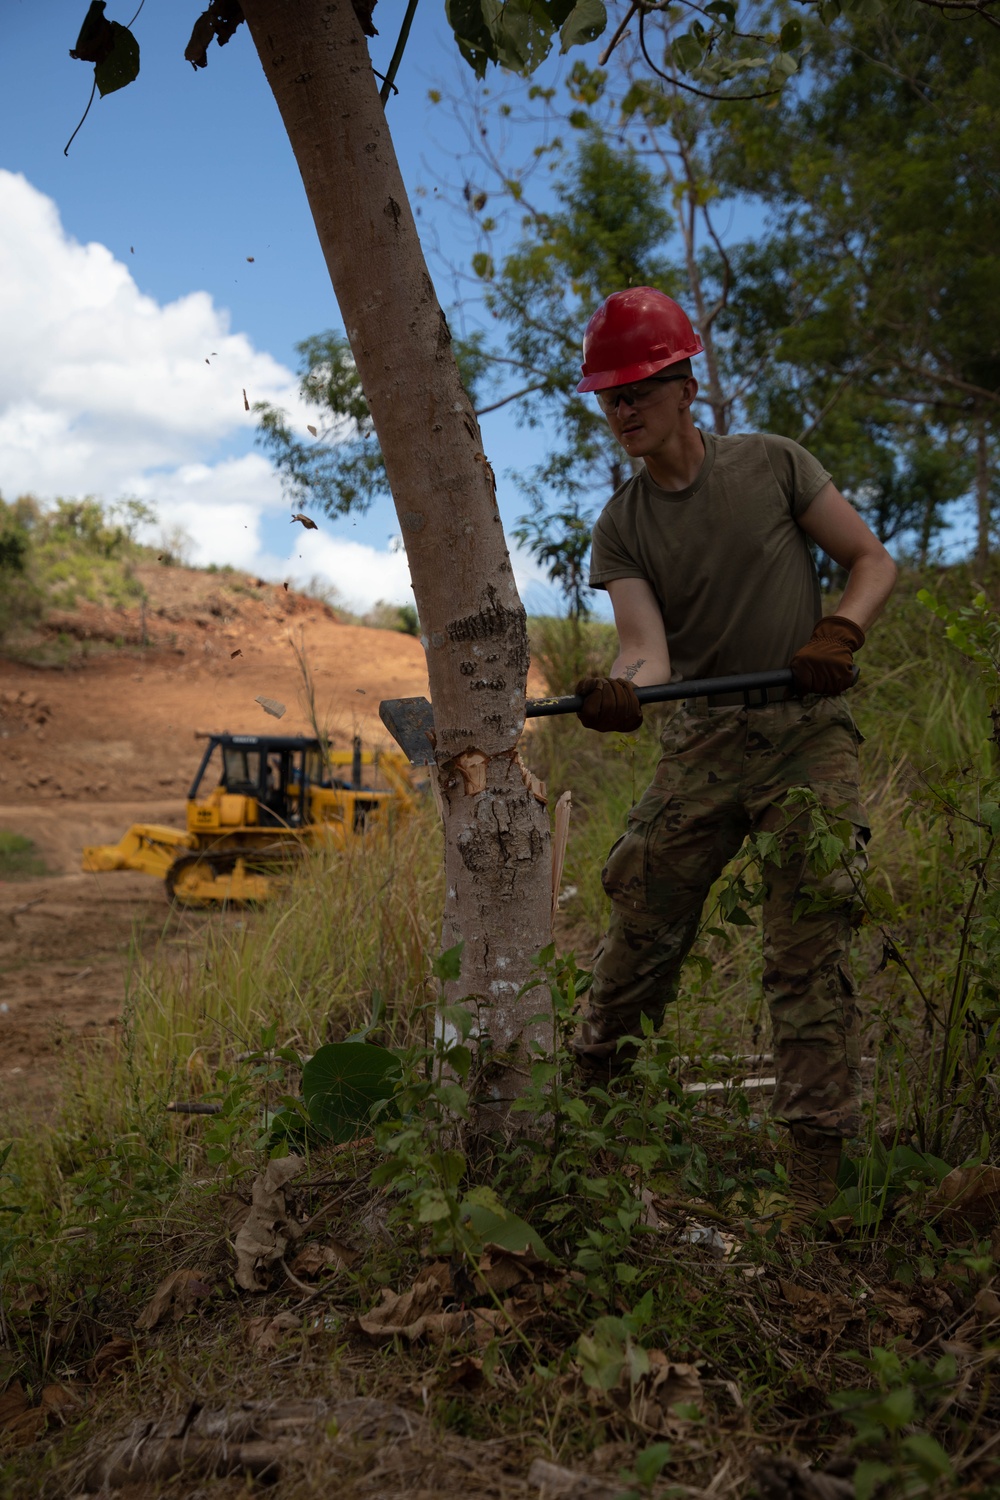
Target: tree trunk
[{"x": 474, "y": 628}]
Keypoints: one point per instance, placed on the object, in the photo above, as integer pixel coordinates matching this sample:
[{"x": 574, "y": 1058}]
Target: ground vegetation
[{"x": 614, "y": 1298}]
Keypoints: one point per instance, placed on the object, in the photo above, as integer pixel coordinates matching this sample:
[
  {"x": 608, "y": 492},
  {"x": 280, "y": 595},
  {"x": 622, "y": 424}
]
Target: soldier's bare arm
[
  {"x": 835, "y": 525},
  {"x": 643, "y": 656}
]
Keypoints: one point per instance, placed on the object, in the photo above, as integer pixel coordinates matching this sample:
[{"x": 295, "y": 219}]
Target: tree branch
[{"x": 481, "y": 411}]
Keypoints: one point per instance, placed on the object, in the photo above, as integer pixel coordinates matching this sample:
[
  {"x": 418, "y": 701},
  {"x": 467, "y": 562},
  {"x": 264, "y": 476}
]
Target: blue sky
[{"x": 126, "y": 364}]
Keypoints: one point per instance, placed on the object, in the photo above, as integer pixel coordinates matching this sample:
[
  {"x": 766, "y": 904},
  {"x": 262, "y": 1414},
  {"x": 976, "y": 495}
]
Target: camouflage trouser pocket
[{"x": 624, "y": 873}]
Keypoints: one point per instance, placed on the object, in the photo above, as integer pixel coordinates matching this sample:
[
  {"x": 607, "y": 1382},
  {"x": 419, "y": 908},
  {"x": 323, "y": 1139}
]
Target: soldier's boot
[
  {"x": 599, "y": 1061},
  {"x": 813, "y": 1160}
]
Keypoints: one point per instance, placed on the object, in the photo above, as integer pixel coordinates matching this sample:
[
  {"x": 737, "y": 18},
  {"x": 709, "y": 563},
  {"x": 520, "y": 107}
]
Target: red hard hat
[{"x": 632, "y": 335}]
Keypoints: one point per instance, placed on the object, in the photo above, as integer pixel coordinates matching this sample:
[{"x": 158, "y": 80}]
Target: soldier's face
[{"x": 646, "y": 417}]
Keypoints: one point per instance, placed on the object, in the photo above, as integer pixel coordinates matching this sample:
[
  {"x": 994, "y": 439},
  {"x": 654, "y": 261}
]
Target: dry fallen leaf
[
  {"x": 268, "y": 1228},
  {"x": 500, "y": 1270},
  {"x": 652, "y": 1398},
  {"x": 271, "y": 706},
  {"x": 14, "y": 1407},
  {"x": 313, "y": 1259},
  {"x": 285, "y": 587},
  {"x": 971, "y": 1193},
  {"x": 176, "y": 1294},
  {"x": 265, "y": 1333},
  {"x": 818, "y": 1315},
  {"x": 987, "y": 1304},
  {"x": 246, "y": 403},
  {"x": 900, "y": 1311},
  {"x": 109, "y": 1356},
  {"x": 307, "y": 522},
  {"x": 235, "y": 653},
  {"x": 417, "y": 1313},
  {"x": 311, "y": 428}
]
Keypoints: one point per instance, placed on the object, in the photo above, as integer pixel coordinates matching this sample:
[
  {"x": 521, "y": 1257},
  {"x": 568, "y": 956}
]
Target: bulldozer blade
[{"x": 410, "y": 721}]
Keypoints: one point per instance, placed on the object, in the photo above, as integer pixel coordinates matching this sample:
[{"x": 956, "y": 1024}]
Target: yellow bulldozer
[{"x": 271, "y": 798}]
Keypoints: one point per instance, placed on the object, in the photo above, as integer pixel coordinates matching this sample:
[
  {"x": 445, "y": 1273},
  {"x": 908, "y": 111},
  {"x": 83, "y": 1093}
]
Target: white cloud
[
  {"x": 104, "y": 391},
  {"x": 99, "y": 383}
]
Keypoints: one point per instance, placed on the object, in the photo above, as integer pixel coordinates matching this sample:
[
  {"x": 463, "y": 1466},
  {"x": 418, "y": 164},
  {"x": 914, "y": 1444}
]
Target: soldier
[{"x": 705, "y": 555}]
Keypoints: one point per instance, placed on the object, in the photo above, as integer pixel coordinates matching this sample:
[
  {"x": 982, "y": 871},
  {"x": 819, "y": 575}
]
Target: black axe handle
[{"x": 668, "y": 692}]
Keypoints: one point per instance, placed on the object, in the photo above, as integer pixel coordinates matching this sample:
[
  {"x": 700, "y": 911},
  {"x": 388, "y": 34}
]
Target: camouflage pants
[{"x": 725, "y": 773}]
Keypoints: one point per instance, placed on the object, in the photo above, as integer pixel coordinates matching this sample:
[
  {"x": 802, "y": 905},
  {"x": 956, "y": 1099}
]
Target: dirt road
[{"x": 90, "y": 748}]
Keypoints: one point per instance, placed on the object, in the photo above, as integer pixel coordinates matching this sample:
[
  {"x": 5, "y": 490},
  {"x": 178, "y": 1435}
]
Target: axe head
[{"x": 410, "y": 721}]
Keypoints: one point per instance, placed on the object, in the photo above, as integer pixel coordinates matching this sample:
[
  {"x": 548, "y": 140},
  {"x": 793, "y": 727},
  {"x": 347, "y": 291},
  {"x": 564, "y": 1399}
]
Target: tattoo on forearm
[{"x": 633, "y": 667}]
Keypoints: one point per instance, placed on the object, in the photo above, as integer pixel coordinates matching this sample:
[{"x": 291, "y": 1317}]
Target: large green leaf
[
  {"x": 585, "y": 23},
  {"x": 121, "y": 65},
  {"x": 502, "y": 1229},
  {"x": 342, "y": 1083}
]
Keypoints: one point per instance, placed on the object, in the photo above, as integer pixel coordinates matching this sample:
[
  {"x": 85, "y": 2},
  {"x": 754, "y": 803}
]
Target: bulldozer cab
[{"x": 276, "y": 771}]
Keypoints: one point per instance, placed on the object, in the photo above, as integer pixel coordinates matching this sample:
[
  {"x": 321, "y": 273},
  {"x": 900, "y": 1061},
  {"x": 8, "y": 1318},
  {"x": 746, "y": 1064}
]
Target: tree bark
[{"x": 474, "y": 628}]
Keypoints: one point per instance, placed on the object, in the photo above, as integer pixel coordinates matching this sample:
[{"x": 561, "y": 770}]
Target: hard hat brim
[{"x": 601, "y": 380}]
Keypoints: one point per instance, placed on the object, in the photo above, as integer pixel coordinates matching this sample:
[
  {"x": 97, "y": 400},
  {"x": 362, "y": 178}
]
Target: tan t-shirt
[{"x": 728, "y": 563}]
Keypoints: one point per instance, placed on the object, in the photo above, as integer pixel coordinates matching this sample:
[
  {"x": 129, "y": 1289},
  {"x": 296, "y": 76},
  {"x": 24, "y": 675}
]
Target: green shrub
[{"x": 18, "y": 857}]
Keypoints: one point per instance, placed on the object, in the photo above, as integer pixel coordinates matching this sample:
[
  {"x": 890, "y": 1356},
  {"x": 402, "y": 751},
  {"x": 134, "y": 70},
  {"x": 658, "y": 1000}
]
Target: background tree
[{"x": 877, "y": 287}]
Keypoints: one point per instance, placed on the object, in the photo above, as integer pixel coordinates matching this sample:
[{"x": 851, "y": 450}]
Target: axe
[{"x": 410, "y": 721}]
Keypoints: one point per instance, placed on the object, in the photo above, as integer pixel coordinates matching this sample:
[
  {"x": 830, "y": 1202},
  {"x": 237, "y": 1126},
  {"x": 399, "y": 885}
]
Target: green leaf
[
  {"x": 687, "y": 52},
  {"x": 121, "y": 65},
  {"x": 433, "y": 1206},
  {"x": 896, "y": 1408},
  {"x": 867, "y": 1478},
  {"x": 343, "y": 1081},
  {"x": 521, "y": 31},
  {"x": 502, "y": 1228},
  {"x": 471, "y": 33},
  {"x": 460, "y": 1017},
  {"x": 790, "y": 35},
  {"x": 928, "y": 1454},
  {"x": 448, "y": 965},
  {"x": 585, "y": 22},
  {"x": 651, "y": 1461},
  {"x": 738, "y": 917}
]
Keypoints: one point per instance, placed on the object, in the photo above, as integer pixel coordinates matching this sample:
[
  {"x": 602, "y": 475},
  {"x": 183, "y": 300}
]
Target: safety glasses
[{"x": 644, "y": 393}]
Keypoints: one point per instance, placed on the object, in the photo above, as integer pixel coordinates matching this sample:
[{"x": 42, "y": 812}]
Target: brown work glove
[
  {"x": 608, "y": 703},
  {"x": 825, "y": 664}
]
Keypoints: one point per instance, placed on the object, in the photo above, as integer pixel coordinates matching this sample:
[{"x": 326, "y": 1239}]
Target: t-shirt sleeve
[
  {"x": 609, "y": 557},
  {"x": 800, "y": 476}
]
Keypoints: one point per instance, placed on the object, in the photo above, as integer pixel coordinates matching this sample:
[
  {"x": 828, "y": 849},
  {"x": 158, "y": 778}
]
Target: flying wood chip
[
  {"x": 234, "y": 654},
  {"x": 246, "y": 403},
  {"x": 307, "y": 522},
  {"x": 271, "y": 706}
]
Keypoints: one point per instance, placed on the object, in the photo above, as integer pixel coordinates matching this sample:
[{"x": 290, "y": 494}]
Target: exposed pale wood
[{"x": 563, "y": 812}]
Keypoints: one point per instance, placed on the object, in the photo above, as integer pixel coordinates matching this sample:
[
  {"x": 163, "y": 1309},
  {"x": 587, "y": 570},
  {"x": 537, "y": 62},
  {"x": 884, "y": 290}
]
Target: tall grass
[{"x": 352, "y": 930}]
